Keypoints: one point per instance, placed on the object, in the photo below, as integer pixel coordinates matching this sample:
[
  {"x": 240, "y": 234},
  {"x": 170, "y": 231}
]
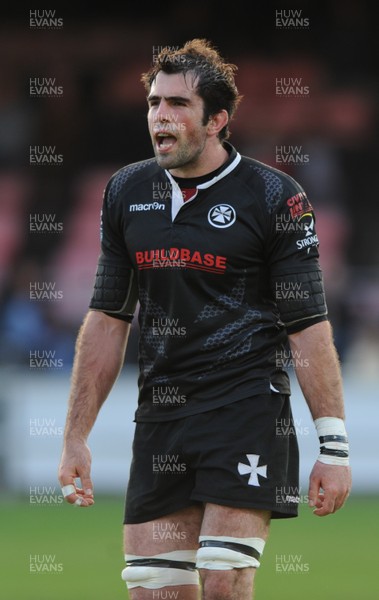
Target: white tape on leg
[
  {"x": 169, "y": 569},
  {"x": 223, "y": 553}
]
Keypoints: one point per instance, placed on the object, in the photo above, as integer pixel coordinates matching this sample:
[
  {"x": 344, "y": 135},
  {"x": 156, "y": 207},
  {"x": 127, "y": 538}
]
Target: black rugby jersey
[{"x": 212, "y": 273}]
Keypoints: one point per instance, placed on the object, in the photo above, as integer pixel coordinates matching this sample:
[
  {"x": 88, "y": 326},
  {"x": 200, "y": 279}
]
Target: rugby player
[{"x": 210, "y": 244}]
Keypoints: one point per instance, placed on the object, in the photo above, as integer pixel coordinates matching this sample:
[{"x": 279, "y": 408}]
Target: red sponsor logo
[
  {"x": 298, "y": 205},
  {"x": 163, "y": 258}
]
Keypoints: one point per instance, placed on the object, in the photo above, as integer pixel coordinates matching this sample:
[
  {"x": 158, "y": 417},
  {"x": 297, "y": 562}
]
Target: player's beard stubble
[{"x": 186, "y": 154}]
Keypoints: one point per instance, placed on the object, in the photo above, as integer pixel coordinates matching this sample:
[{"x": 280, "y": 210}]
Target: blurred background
[{"x": 73, "y": 111}]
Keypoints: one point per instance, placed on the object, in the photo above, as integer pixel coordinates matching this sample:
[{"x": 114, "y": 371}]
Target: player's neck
[{"x": 210, "y": 160}]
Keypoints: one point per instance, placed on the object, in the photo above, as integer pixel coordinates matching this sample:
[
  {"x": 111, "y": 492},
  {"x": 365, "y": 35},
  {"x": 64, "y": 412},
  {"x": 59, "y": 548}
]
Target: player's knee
[
  {"x": 161, "y": 570},
  {"x": 227, "y": 565},
  {"x": 222, "y": 585}
]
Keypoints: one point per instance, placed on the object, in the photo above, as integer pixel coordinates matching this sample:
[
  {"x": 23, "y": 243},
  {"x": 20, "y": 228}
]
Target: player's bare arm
[
  {"x": 320, "y": 380},
  {"x": 99, "y": 356}
]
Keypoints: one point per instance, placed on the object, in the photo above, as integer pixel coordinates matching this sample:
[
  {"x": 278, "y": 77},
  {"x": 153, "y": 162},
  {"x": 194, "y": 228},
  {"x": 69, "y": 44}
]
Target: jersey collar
[{"x": 177, "y": 198}]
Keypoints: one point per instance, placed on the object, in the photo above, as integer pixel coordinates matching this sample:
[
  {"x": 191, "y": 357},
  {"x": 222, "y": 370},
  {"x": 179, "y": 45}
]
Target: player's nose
[{"x": 162, "y": 113}]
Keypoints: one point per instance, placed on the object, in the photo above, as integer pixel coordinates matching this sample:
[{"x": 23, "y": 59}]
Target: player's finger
[
  {"x": 328, "y": 505},
  {"x": 68, "y": 490},
  {"x": 70, "y": 493},
  {"x": 313, "y": 491},
  {"x": 340, "y": 501},
  {"x": 87, "y": 485},
  {"x": 76, "y": 496}
]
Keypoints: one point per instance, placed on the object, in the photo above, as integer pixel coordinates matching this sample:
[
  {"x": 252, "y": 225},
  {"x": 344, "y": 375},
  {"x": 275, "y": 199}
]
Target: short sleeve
[
  {"x": 296, "y": 277},
  {"x": 115, "y": 288}
]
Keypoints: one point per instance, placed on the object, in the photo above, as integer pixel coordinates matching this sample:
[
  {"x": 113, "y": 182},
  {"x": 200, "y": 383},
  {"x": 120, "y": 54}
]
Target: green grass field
[{"x": 334, "y": 558}]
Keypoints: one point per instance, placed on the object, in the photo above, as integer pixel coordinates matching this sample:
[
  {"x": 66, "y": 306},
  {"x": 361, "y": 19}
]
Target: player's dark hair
[{"x": 214, "y": 77}]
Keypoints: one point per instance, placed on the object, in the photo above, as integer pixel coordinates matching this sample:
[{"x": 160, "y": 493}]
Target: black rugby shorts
[{"x": 241, "y": 455}]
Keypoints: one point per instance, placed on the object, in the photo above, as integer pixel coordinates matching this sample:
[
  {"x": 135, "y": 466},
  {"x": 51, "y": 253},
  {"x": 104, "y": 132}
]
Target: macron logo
[{"x": 148, "y": 206}]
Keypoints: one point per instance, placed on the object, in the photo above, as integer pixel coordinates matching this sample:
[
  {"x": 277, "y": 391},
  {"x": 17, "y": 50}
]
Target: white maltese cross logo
[
  {"x": 222, "y": 215},
  {"x": 253, "y": 470}
]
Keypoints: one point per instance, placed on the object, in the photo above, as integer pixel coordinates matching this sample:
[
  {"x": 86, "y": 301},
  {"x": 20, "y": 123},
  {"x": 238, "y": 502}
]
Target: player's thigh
[
  {"x": 177, "y": 531},
  {"x": 236, "y": 523}
]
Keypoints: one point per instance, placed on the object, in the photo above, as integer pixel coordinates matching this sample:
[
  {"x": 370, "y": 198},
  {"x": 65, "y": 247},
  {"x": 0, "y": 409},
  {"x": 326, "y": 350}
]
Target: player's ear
[{"x": 217, "y": 122}]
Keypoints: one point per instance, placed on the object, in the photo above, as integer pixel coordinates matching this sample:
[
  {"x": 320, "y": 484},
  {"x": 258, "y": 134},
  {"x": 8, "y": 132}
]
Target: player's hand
[
  {"x": 76, "y": 464},
  {"x": 329, "y": 488}
]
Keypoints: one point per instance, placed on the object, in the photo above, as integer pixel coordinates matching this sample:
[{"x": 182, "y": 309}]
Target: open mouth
[{"x": 165, "y": 141}]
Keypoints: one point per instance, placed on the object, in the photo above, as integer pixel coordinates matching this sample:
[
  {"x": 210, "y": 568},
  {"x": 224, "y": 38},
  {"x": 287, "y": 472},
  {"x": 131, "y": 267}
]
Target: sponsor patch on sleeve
[{"x": 298, "y": 205}]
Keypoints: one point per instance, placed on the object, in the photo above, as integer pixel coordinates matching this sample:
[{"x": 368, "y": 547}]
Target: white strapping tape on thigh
[
  {"x": 223, "y": 557},
  {"x": 153, "y": 578}
]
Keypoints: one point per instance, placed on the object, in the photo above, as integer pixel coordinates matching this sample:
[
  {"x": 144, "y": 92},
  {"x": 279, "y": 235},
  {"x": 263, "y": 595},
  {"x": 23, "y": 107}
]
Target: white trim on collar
[{"x": 177, "y": 197}]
